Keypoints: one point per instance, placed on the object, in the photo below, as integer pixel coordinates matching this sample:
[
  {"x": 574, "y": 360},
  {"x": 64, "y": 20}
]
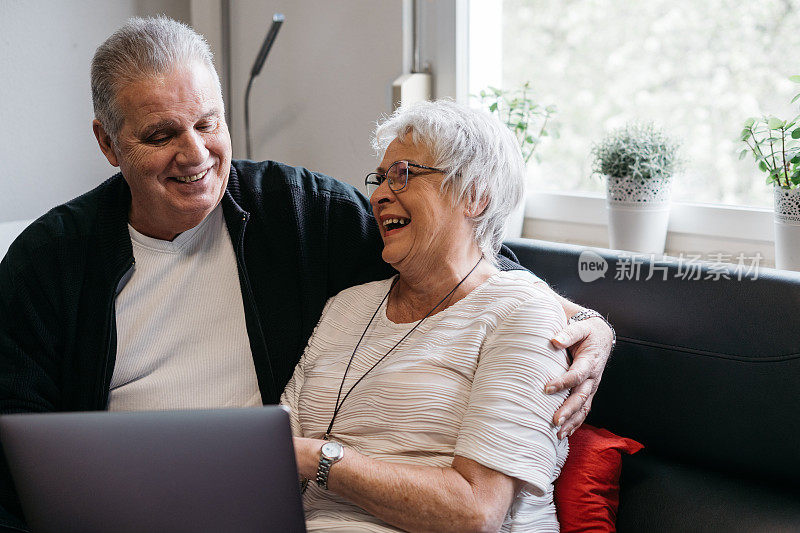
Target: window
[{"x": 698, "y": 69}]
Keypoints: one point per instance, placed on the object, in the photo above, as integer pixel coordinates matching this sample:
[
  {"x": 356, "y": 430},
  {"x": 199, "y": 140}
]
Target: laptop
[{"x": 202, "y": 470}]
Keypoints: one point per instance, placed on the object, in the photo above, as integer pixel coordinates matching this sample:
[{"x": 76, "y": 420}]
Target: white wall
[
  {"x": 325, "y": 83},
  {"x": 48, "y": 153}
]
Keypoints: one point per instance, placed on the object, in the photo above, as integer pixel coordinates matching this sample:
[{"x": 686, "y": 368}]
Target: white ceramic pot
[
  {"x": 787, "y": 228},
  {"x": 638, "y": 214}
]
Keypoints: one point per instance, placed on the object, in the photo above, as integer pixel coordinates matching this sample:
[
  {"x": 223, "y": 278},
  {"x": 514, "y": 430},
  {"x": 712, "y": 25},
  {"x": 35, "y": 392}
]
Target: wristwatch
[
  {"x": 330, "y": 453},
  {"x": 591, "y": 313}
]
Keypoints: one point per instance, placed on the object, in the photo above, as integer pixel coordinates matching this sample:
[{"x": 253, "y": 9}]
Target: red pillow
[{"x": 587, "y": 491}]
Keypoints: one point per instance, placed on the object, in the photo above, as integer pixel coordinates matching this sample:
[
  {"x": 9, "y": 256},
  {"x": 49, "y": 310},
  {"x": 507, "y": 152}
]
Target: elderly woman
[{"x": 419, "y": 402}]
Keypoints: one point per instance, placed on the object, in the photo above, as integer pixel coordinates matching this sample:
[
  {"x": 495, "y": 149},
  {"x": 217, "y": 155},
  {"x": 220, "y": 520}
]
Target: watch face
[{"x": 332, "y": 450}]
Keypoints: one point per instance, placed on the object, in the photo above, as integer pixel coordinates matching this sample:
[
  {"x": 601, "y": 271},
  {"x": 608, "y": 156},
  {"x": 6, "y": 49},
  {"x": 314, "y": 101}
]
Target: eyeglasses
[{"x": 396, "y": 174}]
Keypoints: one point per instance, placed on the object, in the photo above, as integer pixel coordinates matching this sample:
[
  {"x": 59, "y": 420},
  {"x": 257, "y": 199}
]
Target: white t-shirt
[
  {"x": 469, "y": 381},
  {"x": 181, "y": 337}
]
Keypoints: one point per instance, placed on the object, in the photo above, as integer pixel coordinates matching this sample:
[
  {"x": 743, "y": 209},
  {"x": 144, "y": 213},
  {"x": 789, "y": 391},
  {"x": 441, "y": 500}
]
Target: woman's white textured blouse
[{"x": 469, "y": 381}]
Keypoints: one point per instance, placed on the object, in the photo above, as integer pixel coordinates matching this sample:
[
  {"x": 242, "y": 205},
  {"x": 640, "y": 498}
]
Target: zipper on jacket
[
  {"x": 105, "y": 381},
  {"x": 251, "y": 301}
]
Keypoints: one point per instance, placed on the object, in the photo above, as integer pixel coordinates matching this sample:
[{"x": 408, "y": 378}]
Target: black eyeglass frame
[{"x": 378, "y": 178}]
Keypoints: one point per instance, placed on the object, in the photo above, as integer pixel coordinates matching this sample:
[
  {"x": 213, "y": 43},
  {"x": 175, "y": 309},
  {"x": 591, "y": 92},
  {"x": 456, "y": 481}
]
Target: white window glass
[{"x": 696, "y": 68}]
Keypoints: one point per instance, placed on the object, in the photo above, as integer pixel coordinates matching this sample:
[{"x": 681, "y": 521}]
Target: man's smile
[{"x": 190, "y": 179}]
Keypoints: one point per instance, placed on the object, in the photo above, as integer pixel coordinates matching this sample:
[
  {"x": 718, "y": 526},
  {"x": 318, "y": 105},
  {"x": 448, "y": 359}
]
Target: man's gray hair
[
  {"x": 142, "y": 48},
  {"x": 480, "y": 155}
]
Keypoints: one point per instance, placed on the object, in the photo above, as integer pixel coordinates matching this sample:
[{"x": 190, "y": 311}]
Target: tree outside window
[{"x": 696, "y": 68}]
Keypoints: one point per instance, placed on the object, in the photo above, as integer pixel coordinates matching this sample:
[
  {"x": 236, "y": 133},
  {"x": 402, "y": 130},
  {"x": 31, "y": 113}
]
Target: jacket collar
[
  {"x": 114, "y": 248},
  {"x": 235, "y": 215}
]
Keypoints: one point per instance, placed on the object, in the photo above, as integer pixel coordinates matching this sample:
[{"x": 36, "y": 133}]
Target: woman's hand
[{"x": 589, "y": 342}]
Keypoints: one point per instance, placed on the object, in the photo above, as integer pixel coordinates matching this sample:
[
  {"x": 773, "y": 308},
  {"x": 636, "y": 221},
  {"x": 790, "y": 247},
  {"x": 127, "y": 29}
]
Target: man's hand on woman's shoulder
[{"x": 589, "y": 342}]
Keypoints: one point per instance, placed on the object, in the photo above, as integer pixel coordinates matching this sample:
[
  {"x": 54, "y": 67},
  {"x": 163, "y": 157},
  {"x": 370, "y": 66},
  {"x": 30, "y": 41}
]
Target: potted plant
[
  {"x": 529, "y": 121},
  {"x": 775, "y": 147},
  {"x": 638, "y": 162}
]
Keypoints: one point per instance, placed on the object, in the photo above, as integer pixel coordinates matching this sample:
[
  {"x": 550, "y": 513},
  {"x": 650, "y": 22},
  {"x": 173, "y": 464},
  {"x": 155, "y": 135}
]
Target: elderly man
[{"x": 188, "y": 280}]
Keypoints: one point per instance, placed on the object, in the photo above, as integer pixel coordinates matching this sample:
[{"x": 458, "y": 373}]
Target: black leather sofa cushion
[
  {"x": 706, "y": 374},
  {"x": 659, "y": 495}
]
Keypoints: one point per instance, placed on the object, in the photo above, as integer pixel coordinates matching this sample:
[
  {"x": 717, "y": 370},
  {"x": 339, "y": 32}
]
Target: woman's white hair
[
  {"x": 142, "y": 48},
  {"x": 480, "y": 155}
]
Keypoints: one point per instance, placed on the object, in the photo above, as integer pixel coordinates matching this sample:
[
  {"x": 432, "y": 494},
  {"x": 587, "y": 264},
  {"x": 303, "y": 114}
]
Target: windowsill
[{"x": 580, "y": 218}]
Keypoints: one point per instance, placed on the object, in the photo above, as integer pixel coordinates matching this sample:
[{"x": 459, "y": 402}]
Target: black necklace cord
[
  {"x": 339, "y": 404},
  {"x": 350, "y": 362}
]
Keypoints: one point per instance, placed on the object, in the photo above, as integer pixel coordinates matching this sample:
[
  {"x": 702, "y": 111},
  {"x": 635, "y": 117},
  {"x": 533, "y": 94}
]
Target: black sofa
[{"x": 706, "y": 374}]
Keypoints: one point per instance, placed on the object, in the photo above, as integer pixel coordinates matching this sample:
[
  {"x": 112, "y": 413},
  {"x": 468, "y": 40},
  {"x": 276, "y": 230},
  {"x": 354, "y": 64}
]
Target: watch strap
[{"x": 323, "y": 470}]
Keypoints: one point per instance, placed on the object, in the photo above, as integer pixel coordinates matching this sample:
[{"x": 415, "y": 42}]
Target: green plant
[
  {"x": 639, "y": 151},
  {"x": 528, "y": 120},
  {"x": 775, "y": 146}
]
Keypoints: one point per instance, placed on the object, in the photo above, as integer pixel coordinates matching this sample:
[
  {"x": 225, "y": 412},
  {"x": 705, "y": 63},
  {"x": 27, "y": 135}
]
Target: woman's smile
[{"x": 393, "y": 224}]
